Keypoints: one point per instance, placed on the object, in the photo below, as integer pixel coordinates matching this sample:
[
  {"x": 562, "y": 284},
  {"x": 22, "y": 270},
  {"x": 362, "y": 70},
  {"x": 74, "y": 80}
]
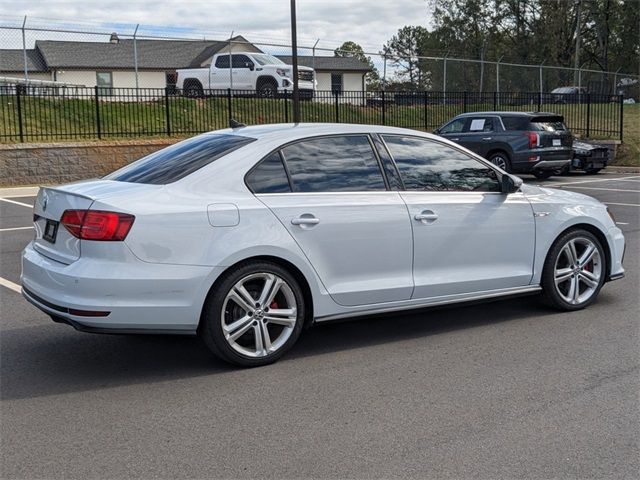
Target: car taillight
[
  {"x": 97, "y": 224},
  {"x": 534, "y": 139}
]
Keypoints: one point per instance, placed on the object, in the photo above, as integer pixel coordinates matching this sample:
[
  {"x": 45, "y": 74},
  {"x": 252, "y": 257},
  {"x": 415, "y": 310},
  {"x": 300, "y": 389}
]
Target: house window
[
  {"x": 104, "y": 81},
  {"x": 336, "y": 83}
]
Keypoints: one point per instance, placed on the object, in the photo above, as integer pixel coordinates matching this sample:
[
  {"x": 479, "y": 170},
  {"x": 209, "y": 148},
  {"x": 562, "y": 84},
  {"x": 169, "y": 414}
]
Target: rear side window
[
  {"x": 515, "y": 123},
  {"x": 177, "y": 161},
  {"x": 269, "y": 176},
  {"x": 222, "y": 61},
  {"x": 333, "y": 164}
]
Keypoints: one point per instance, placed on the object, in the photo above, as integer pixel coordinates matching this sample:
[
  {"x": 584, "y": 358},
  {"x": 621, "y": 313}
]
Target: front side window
[
  {"x": 104, "y": 81},
  {"x": 336, "y": 83},
  {"x": 222, "y": 61},
  {"x": 456, "y": 126},
  {"x": 269, "y": 176},
  {"x": 241, "y": 61},
  {"x": 179, "y": 160},
  {"x": 333, "y": 164},
  {"x": 430, "y": 166}
]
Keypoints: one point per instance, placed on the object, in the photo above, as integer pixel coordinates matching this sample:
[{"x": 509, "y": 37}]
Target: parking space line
[
  {"x": 18, "y": 196},
  {"x": 16, "y": 203},
  {"x": 10, "y": 285},
  {"x": 605, "y": 189},
  {"x": 623, "y": 204},
  {"x": 591, "y": 181},
  {"x": 14, "y": 228}
]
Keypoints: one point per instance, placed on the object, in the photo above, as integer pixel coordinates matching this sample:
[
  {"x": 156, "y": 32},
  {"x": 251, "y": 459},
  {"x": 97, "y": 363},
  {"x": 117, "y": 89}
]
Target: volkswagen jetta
[{"x": 246, "y": 235}]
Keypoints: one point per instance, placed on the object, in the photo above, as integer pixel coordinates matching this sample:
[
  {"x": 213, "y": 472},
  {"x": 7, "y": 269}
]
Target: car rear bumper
[
  {"x": 124, "y": 296},
  {"x": 551, "y": 164}
]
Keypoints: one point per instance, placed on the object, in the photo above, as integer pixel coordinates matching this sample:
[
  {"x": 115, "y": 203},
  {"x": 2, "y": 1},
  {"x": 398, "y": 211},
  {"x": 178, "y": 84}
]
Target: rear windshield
[
  {"x": 177, "y": 161},
  {"x": 547, "y": 124}
]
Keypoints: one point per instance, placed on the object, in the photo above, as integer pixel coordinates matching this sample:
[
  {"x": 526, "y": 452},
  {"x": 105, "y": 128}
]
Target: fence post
[
  {"x": 286, "y": 107},
  {"x": 495, "y": 101},
  {"x": 539, "y": 101},
  {"x": 426, "y": 127},
  {"x": 335, "y": 93},
  {"x": 383, "y": 108},
  {"x": 588, "y": 114},
  {"x": 98, "y": 126},
  {"x": 229, "y": 111},
  {"x": 19, "y": 107},
  {"x": 621, "y": 115},
  {"x": 464, "y": 102},
  {"x": 166, "y": 110}
]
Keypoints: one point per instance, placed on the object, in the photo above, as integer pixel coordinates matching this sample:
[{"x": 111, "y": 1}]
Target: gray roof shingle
[
  {"x": 350, "y": 64},
  {"x": 13, "y": 61}
]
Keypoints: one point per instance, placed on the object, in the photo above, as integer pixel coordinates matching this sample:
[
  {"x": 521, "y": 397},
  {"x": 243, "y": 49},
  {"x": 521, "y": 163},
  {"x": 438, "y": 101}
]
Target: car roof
[
  {"x": 293, "y": 131},
  {"x": 511, "y": 114}
]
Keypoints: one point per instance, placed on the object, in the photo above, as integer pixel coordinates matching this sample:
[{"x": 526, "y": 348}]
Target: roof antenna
[{"x": 235, "y": 124}]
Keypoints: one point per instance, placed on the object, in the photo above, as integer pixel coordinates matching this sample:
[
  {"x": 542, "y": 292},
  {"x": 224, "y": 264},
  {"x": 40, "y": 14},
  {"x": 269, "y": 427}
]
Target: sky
[{"x": 369, "y": 23}]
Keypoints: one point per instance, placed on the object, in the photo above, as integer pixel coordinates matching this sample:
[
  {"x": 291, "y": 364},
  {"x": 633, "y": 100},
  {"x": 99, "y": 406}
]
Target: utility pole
[
  {"x": 294, "y": 56},
  {"x": 578, "y": 4},
  {"x": 24, "y": 51}
]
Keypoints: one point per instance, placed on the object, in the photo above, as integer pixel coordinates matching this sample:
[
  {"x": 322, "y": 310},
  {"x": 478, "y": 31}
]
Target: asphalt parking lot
[{"x": 499, "y": 390}]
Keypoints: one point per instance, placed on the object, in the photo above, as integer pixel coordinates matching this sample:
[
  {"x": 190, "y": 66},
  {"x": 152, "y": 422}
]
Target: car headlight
[{"x": 282, "y": 72}]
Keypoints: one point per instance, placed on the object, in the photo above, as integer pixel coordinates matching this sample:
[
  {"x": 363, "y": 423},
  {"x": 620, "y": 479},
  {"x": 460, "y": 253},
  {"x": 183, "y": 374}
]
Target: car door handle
[
  {"x": 305, "y": 221},
  {"x": 454, "y": 139},
  {"x": 487, "y": 138},
  {"x": 426, "y": 217}
]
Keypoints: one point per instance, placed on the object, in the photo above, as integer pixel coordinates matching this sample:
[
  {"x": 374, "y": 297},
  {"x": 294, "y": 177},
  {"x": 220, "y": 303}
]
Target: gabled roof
[
  {"x": 152, "y": 54},
  {"x": 13, "y": 61},
  {"x": 347, "y": 64}
]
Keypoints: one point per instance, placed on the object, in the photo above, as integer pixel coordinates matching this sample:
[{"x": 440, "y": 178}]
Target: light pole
[
  {"x": 578, "y": 4},
  {"x": 294, "y": 57}
]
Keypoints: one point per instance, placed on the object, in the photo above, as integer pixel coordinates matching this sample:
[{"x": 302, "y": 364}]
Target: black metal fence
[{"x": 30, "y": 113}]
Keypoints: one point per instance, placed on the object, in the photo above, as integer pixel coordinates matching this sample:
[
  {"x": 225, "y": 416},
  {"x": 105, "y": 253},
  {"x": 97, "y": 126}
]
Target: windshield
[
  {"x": 266, "y": 59},
  {"x": 548, "y": 124},
  {"x": 563, "y": 90}
]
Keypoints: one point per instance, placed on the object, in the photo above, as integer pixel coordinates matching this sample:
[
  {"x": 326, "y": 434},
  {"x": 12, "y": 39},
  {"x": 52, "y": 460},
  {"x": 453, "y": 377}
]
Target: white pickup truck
[{"x": 261, "y": 73}]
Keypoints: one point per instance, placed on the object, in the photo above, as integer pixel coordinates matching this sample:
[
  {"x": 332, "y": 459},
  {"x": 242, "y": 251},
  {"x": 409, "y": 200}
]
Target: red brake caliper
[{"x": 274, "y": 304}]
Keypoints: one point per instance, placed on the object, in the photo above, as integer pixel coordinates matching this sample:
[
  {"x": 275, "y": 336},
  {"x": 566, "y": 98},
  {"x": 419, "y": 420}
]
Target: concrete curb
[
  {"x": 621, "y": 169},
  {"x": 18, "y": 192}
]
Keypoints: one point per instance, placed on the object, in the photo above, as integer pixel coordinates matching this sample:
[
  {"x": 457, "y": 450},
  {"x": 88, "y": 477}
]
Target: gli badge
[{"x": 45, "y": 200}]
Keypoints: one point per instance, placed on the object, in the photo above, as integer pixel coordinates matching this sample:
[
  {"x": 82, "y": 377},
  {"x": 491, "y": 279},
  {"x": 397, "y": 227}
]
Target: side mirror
[
  {"x": 436, "y": 131},
  {"x": 510, "y": 184},
  {"x": 251, "y": 66}
]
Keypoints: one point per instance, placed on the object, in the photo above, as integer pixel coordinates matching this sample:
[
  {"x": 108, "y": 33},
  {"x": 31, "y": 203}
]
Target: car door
[
  {"x": 355, "y": 233},
  {"x": 480, "y": 134},
  {"x": 454, "y": 129},
  {"x": 242, "y": 72},
  {"x": 219, "y": 77},
  {"x": 468, "y": 236}
]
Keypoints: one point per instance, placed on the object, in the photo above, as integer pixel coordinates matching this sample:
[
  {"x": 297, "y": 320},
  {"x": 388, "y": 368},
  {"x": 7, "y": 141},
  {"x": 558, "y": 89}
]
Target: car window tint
[
  {"x": 333, "y": 164},
  {"x": 269, "y": 176},
  {"x": 547, "y": 124},
  {"x": 432, "y": 166},
  {"x": 222, "y": 61},
  {"x": 393, "y": 177},
  {"x": 177, "y": 161},
  {"x": 515, "y": 123},
  {"x": 455, "y": 126},
  {"x": 240, "y": 61}
]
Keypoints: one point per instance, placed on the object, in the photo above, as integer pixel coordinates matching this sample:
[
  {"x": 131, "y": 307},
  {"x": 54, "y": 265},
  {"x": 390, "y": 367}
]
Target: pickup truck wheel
[
  {"x": 501, "y": 160},
  {"x": 268, "y": 90},
  {"x": 193, "y": 90}
]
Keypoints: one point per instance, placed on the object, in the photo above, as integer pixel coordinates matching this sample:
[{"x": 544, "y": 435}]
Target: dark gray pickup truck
[{"x": 519, "y": 142}]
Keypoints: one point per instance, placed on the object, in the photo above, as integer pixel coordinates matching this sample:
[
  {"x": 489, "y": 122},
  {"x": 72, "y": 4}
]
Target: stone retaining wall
[{"x": 56, "y": 163}]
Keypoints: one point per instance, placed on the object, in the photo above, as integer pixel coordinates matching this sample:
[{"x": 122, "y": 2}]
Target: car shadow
[{"x": 52, "y": 359}]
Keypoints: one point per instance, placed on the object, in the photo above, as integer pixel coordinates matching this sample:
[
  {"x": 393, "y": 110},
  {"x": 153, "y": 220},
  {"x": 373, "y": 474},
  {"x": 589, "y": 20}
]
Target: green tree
[
  {"x": 352, "y": 49},
  {"x": 403, "y": 50}
]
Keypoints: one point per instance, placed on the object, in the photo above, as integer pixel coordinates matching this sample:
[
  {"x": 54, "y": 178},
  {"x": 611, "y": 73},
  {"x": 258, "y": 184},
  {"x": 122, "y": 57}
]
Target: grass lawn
[{"x": 47, "y": 119}]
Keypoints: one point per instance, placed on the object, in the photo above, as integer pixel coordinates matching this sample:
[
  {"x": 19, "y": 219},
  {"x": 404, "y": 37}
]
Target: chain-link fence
[{"x": 62, "y": 80}]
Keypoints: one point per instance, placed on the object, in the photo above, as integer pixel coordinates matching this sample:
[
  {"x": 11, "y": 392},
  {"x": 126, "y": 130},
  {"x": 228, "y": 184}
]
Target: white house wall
[{"x": 120, "y": 78}]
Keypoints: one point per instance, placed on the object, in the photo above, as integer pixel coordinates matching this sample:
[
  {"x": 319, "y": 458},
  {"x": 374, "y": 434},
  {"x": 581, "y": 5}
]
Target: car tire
[
  {"x": 268, "y": 89},
  {"x": 252, "y": 335},
  {"x": 501, "y": 159},
  {"x": 542, "y": 174},
  {"x": 592, "y": 171},
  {"x": 193, "y": 90},
  {"x": 574, "y": 271}
]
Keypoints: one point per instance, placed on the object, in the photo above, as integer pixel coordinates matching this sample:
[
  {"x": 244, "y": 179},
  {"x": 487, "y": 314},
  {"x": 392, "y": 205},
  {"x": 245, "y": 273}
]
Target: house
[{"x": 112, "y": 64}]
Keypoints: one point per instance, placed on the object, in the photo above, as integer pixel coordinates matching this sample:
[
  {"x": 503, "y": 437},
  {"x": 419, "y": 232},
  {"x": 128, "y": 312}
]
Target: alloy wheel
[
  {"x": 578, "y": 270},
  {"x": 259, "y": 314},
  {"x": 499, "y": 161}
]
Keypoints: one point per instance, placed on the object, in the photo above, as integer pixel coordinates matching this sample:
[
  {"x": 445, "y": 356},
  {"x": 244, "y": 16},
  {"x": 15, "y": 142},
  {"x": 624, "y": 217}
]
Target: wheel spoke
[
  {"x": 269, "y": 290},
  {"x": 588, "y": 254},
  {"x": 265, "y": 336},
  {"x": 572, "y": 294},
  {"x": 283, "y": 316},
  {"x": 238, "y": 328},
  {"x": 239, "y": 295},
  {"x": 571, "y": 250},
  {"x": 563, "y": 274},
  {"x": 257, "y": 332},
  {"x": 588, "y": 278}
]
